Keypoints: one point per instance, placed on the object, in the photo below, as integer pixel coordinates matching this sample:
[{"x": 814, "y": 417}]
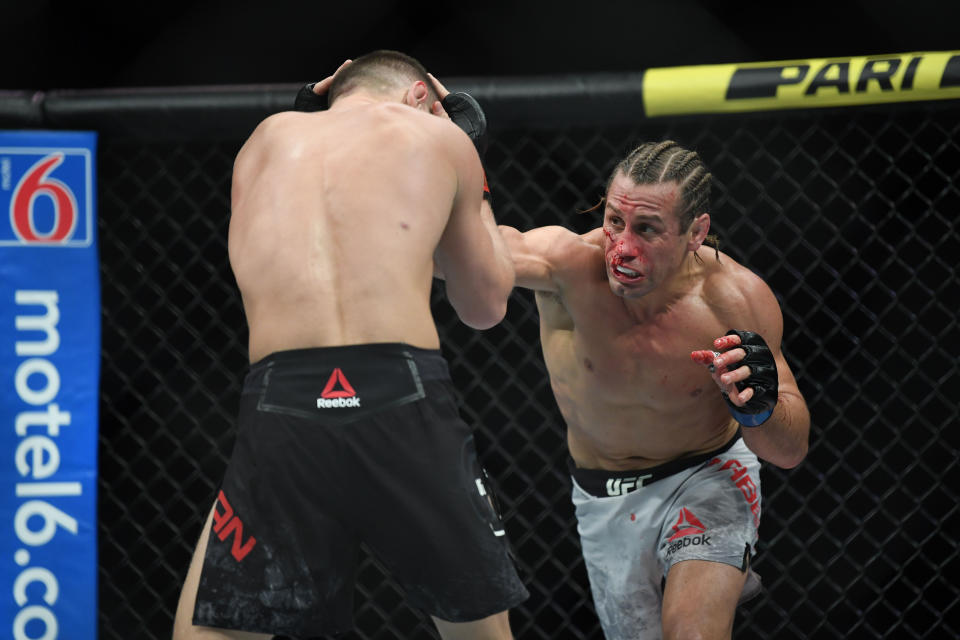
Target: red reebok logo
[
  {"x": 338, "y": 394},
  {"x": 687, "y": 524},
  {"x": 345, "y": 390}
]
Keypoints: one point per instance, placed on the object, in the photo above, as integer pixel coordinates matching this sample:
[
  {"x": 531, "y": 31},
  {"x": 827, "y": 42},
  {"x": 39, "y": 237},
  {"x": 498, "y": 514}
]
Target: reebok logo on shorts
[
  {"x": 338, "y": 393},
  {"x": 687, "y": 531},
  {"x": 686, "y": 524}
]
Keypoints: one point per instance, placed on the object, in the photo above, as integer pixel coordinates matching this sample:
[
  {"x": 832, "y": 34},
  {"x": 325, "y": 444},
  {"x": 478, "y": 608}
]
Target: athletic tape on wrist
[
  {"x": 763, "y": 379},
  {"x": 750, "y": 419}
]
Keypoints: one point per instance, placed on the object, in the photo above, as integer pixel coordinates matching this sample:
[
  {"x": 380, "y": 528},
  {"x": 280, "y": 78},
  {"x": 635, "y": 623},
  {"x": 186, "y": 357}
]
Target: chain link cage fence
[{"x": 850, "y": 215}]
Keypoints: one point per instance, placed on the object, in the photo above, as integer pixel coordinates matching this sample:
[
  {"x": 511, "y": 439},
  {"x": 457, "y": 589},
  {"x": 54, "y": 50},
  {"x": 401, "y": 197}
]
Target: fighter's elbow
[
  {"x": 484, "y": 316},
  {"x": 481, "y": 302},
  {"x": 788, "y": 458},
  {"x": 789, "y": 448},
  {"x": 800, "y": 455},
  {"x": 791, "y": 460}
]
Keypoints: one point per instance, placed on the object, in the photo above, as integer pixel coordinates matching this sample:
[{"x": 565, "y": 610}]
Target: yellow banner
[{"x": 802, "y": 84}]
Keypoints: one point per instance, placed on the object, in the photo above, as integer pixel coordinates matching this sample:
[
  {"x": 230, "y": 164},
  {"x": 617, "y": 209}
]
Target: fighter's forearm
[
  {"x": 500, "y": 249},
  {"x": 783, "y": 439},
  {"x": 533, "y": 269}
]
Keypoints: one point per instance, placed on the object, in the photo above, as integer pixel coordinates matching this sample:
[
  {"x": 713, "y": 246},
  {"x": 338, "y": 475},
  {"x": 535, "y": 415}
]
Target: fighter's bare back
[{"x": 335, "y": 213}]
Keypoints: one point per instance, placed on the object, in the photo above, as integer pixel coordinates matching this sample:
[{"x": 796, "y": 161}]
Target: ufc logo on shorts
[
  {"x": 226, "y": 523},
  {"x": 623, "y": 486}
]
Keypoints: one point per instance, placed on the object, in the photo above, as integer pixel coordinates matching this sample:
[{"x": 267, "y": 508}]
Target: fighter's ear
[
  {"x": 416, "y": 94},
  {"x": 699, "y": 229}
]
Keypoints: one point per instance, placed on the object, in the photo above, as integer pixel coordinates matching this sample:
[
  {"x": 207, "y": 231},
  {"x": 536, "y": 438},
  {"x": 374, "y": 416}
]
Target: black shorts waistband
[
  {"x": 430, "y": 363},
  {"x": 338, "y": 385},
  {"x": 602, "y": 483}
]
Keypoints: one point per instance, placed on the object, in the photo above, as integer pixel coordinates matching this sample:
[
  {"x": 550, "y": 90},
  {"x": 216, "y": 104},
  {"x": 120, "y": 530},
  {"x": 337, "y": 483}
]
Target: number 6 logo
[{"x": 34, "y": 184}]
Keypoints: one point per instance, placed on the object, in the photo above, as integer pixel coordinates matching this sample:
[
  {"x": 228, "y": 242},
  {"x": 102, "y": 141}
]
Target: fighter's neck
[
  {"x": 665, "y": 297},
  {"x": 360, "y": 98}
]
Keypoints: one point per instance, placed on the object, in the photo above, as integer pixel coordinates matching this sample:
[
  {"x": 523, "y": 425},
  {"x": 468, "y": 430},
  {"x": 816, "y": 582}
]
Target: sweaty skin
[
  {"x": 339, "y": 220},
  {"x": 622, "y": 308},
  {"x": 336, "y": 217}
]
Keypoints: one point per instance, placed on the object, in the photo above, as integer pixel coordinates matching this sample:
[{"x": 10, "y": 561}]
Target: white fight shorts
[{"x": 635, "y": 525}]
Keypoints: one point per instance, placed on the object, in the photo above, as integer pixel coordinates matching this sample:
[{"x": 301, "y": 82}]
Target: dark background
[
  {"x": 850, "y": 214},
  {"x": 46, "y": 44}
]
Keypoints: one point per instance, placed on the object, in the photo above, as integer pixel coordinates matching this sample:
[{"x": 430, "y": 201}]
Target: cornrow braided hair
[{"x": 667, "y": 161}]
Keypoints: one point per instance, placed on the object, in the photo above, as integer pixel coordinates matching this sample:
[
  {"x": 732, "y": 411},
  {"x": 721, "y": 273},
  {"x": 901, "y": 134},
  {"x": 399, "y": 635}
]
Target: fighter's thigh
[
  {"x": 183, "y": 627},
  {"x": 495, "y": 627},
  {"x": 700, "y": 600}
]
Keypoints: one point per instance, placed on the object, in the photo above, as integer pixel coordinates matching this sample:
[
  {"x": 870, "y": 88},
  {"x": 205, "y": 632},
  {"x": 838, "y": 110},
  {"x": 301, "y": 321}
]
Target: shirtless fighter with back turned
[{"x": 348, "y": 427}]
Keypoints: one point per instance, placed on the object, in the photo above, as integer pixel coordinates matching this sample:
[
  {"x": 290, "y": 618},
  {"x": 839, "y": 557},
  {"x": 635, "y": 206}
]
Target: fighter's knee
[
  {"x": 683, "y": 632},
  {"x": 495, "y": 627},
  {"x": 692, "y": 628}
]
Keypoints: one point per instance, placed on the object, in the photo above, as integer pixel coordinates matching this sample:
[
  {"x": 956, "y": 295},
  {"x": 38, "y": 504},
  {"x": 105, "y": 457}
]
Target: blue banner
[{"x": 49, "y": 373}]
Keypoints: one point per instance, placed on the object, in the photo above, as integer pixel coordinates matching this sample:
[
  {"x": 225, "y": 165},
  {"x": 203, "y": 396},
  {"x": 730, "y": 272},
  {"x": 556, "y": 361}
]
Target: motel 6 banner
[{"x": 49, "y": 372}]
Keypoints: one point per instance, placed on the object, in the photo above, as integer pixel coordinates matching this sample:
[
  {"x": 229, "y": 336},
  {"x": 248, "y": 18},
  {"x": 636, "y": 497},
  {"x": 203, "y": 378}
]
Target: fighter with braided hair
[{"x": 664, "y": 434}]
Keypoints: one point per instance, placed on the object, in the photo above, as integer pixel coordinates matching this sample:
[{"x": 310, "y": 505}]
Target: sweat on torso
[
  {"x": 628, "y": 390},
  {"x": 334, "y": 222}
]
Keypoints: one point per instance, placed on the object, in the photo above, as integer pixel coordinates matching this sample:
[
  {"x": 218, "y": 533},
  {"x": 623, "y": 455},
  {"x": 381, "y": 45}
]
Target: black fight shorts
[{"x": 343, "y": 445}]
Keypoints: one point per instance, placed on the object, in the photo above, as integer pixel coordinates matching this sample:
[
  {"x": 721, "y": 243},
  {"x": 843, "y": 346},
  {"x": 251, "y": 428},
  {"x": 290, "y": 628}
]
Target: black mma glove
[
  {"x": 466, "y": 113},
  {"x": 307, "y": 100},
  {"x": 763, "y": 378}
]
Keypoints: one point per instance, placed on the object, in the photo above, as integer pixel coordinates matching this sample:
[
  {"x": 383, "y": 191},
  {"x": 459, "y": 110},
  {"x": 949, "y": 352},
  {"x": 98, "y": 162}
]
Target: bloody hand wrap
[{"x": 763, "y": 378}]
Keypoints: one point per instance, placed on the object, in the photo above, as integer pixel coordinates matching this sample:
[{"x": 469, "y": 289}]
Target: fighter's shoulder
[
  {"x": 585, "y": 245},
  {"x": 282, "y": 118},
  {"x": 268, "y": 133},
  {"x": 570, "y": 254},
  {"x": 562, "y": 242},
  {"x": 448, "y": 132},
  {"x": 421, "y": 127},
  {"x": 730, "y": 285},
  {"x": 274, "y": 125},
  {"x": 725, "y": 276}
]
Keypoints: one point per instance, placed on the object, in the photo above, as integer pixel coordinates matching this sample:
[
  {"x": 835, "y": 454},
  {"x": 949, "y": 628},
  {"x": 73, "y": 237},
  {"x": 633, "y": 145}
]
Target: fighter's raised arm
[
  {"x": 340, "y": 210},
  {"x": 471, "y": 254},
  {"x": 543, "y": 257},
  {"x": 754, "y": 377},
  {"x": 649, "y": 434}
]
